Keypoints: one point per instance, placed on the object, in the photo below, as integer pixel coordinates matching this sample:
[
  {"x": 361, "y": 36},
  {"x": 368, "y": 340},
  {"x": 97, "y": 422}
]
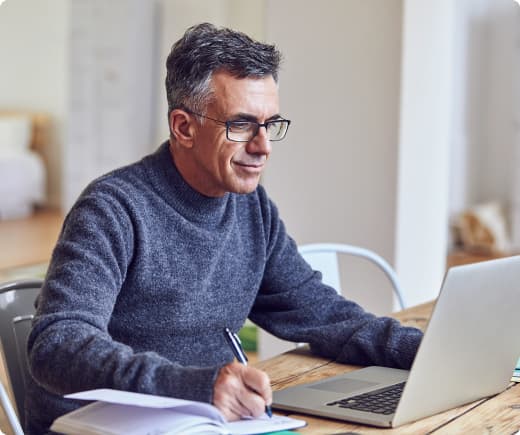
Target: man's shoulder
[
  {"x": 126, "y": 178},
  {"x": 137, "y": 178},
  {"x": 121, "y": 185},
  {"x": 128, "y": 174}
]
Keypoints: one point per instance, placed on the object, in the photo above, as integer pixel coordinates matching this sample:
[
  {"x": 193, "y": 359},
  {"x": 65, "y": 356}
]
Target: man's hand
[{"x": 241, "y": 391}]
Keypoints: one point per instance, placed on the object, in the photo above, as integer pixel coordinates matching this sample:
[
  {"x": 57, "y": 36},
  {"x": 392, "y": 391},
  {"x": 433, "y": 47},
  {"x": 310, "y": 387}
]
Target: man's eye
[
  {"x": 237, "y": 127},
  {"x": 275, "y": 127}
]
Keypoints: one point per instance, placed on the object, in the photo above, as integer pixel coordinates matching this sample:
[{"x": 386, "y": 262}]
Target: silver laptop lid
[{"x": 471, "y": 343}]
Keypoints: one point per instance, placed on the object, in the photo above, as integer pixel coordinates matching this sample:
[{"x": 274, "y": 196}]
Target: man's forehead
[
  {"x": 244, "y": 94},
  {"x": 228, "y": 85}
]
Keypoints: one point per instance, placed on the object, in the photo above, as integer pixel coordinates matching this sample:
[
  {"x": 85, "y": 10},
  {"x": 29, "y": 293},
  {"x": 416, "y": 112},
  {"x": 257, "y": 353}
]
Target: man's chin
[
  {"x": 248, "y": 186},
  {"x": 245, "y": 191}
]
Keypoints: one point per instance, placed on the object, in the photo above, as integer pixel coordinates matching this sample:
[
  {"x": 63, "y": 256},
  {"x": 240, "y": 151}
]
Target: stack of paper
[{"x": 516, "y": 373}]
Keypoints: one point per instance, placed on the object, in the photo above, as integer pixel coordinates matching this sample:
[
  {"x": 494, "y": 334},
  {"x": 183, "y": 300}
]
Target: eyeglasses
[{"x": 244, "y": 131}]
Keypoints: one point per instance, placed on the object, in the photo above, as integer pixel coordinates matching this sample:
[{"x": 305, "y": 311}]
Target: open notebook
[{"x": 120, "y": 412}]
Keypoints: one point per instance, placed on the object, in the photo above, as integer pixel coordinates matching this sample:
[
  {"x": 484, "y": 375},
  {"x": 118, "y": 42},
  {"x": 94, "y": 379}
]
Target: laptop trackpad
[{"x": 345, "y": 386}]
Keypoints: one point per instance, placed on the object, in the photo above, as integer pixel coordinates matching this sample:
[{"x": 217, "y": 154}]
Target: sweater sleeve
[
  {"x": 295, "y": 305},
  {"x": 69, "y": 347}
]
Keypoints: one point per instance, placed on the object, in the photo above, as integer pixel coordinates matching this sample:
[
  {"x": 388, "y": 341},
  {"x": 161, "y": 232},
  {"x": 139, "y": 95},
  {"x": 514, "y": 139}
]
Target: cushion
[
  {"x": 22, "y": 186},
  {"x": 15, "y": 134}
]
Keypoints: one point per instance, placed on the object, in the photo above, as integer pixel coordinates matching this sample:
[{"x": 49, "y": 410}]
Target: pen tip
[{"x": 269, "y": 411}]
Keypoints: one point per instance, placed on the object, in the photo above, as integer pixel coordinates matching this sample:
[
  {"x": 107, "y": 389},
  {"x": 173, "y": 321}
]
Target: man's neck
[{"x": 189, "y": 174}]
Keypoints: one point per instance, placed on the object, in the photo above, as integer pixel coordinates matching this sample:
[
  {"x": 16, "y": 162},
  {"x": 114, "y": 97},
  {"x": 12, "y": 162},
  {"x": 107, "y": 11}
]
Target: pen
[{"x": 236, "y": 347}]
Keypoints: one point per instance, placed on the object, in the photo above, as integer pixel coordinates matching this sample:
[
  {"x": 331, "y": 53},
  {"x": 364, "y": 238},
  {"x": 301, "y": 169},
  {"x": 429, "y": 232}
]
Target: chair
[
  {"x": 324, "y": 257},
  {"x": 16, "y": 312}
]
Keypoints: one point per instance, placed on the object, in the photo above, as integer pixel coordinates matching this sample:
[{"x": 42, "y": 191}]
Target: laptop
[{"x": 468, "y": 352}]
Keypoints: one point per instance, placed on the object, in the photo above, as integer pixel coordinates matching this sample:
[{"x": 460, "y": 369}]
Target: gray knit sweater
[{"x": 147, "y": 273}]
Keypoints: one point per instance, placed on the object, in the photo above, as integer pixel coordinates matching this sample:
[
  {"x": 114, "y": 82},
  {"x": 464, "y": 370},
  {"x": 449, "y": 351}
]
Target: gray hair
[{"x": 205, "y": 49}]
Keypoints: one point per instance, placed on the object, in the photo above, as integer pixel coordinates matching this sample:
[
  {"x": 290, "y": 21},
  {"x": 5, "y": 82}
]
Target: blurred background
[{"x": 405, "y": 134}]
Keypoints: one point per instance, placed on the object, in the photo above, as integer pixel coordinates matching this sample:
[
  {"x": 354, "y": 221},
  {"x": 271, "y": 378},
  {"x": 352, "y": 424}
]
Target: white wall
[
  {"x": 485, "y": 103},
  {"x": 334, "y": 176},
  {"x": 496, "y": 30},
  {"x": 110, "y": 110},
  {"x": 33, "y": 72},
  {"x": 515, "y": 202},
  {"x": 424, "y": 146}
]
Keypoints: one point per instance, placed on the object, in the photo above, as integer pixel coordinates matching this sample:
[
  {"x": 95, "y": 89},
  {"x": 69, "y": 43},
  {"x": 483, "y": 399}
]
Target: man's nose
[{"x": 260, "y": 144}]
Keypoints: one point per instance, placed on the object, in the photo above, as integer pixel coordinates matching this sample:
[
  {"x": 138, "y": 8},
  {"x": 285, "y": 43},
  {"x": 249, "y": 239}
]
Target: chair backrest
[
  {"x": 324, "y": 257},
  {"x": 16, "y": 312}
]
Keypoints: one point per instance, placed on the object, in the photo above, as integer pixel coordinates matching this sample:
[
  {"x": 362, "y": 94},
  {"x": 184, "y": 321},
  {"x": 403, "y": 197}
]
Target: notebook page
[
  {"x": 264, "y": 424},
  {"x": 113, "y": 419},
  {"x": 149, "y": 401}
]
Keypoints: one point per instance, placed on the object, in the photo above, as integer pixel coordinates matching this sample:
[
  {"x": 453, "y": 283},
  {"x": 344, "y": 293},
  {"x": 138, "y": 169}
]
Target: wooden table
[{"x": 496, "y": 415}]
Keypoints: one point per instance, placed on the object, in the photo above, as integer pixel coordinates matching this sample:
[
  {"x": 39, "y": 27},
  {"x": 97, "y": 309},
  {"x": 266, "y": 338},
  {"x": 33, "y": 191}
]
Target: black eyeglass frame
[{"x": 258, "y": 125}]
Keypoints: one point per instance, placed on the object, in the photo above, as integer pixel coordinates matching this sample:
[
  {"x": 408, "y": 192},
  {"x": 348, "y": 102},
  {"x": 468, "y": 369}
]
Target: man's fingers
[
  {"x": 259, "y": 382},
  {"x": 234, "y": 410},
  {"x": 241, "y": 391},
  {"x": 252, "y": 403}
]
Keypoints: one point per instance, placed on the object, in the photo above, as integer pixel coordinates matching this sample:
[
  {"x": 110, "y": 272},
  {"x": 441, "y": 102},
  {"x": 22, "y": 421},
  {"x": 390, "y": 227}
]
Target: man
[{"x": 155, "y": 259}]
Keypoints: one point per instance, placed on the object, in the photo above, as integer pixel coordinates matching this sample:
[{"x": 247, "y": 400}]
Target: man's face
[{"x": 219, "y": 165}]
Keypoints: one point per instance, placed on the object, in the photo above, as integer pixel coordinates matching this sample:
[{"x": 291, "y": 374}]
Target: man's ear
[{"x": 182, "y": 127}]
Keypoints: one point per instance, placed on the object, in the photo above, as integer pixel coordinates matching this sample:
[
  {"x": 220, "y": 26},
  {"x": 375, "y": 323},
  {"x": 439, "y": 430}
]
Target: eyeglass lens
[{"x": 244, "y": 131}]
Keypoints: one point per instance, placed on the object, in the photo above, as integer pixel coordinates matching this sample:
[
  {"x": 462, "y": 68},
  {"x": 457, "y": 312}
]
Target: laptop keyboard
[{"x": 382, "y": 401}]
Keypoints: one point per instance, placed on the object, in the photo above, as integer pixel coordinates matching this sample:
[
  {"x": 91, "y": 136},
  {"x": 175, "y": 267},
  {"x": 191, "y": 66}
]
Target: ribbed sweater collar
[{"x": 171, "y": 186}]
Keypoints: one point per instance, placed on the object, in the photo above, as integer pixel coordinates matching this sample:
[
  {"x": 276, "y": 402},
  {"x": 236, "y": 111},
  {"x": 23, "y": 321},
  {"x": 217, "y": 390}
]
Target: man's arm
[
  {"x": 70, "y": 348},
  {"x": 295, "y": 305}
]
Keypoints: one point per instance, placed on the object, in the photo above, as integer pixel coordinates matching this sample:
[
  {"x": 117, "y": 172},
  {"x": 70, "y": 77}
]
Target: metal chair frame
[
  {"x": 326, "y": 254},
  {"x": 16, "y": 312}
]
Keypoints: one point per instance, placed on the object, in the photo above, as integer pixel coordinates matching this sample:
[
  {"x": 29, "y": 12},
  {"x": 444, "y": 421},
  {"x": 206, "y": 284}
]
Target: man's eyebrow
[
  {"x": 249, "y": 117},
  {"x": 275, "y": 117}
]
